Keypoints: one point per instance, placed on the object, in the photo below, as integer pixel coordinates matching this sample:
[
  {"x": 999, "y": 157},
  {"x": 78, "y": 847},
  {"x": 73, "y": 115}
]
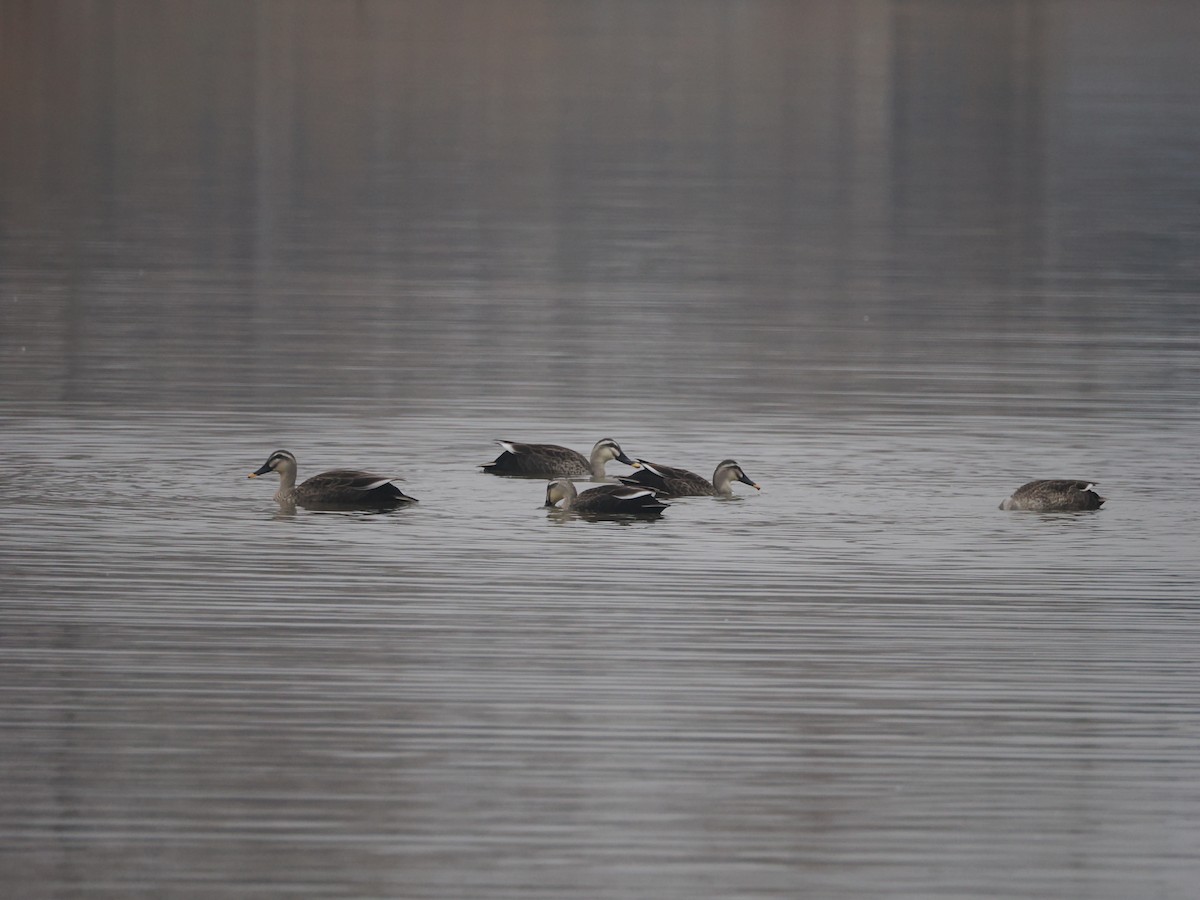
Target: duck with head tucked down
[
  {"x": 670, "y": 481},
  {"x": 553, "y": 461},
  {"x": 606, "y": 500},
  {"x": 335, "y": 489},
  {"x": 1054, "y": 495}
]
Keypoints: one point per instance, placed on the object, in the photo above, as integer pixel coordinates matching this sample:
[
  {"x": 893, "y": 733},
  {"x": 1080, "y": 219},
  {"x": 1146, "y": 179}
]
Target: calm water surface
[{"x": 896, "y": 258}]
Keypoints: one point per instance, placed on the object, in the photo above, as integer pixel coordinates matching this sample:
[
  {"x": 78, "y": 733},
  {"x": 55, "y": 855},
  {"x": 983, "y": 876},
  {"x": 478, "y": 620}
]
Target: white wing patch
[{"x": 634, "y": 493}]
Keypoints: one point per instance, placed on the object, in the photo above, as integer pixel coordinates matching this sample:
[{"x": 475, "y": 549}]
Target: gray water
[{"x": 895, "y": 258}]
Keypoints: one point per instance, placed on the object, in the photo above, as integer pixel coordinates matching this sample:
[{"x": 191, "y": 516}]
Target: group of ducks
[{"x": 639, "y": 494}]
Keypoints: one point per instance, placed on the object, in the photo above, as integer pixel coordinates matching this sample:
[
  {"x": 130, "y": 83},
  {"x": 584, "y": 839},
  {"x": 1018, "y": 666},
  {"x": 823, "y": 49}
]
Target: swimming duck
[
  {"x": 553, "y": 461},
  {"x": 1049, "y": 495},
  {"x": 670, "y": 481},
  {"x": 608, "y": 499},
  {"x": 335, "y": 489}
]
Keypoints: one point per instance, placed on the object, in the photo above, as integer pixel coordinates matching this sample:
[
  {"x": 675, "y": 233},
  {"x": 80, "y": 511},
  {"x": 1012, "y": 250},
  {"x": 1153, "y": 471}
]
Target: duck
[
  {"x": 1054, "y": 495},
  {"x": 670, "y": 481},
  {"x": 335, "y": 489},
  {"x": 553, "y": 461},
  {"x": 606, "y": 500}
]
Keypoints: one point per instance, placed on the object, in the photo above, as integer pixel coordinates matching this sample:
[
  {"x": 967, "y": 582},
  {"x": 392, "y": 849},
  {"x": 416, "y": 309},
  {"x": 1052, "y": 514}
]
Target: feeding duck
[
  {"x": 335, "y": 489},
  {"x": 608, "y": 499},
  {"x": 670, "y": 481},
  {"x": 1051, "y": 495},
  {"x": 553, "y": 461}
]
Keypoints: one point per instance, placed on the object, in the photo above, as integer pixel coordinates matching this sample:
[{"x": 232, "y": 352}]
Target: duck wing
[
  {"x": 618, "y": 499},
  {"x": 670, "y": 481},
  {"x": 1055, "y": 495},
  {"x": 351, "y": 488},
  {"x": 538, "y": 461}
]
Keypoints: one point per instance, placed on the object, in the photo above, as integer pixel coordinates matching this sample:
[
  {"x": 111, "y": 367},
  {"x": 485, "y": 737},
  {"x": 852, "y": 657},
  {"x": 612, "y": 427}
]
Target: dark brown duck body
[
  {"x": 335, "y": 489},
  {"x": 671, "y": 481},
  {"x": 605, "y": 500},
  {"x": 1054, "y": 495},
  {"x": 553, "y": 461}
]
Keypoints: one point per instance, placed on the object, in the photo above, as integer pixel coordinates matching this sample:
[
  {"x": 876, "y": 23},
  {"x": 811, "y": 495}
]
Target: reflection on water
[{"x": 896, "y": 258}]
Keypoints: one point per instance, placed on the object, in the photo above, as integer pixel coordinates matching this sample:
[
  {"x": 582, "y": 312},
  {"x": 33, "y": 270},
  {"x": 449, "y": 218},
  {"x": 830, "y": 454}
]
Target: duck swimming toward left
[{"x": 335, "y": 489}]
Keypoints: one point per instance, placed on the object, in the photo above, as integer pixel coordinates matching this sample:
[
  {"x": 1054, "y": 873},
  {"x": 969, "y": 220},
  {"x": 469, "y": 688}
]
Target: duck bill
[
  {"x": 629, "y": 462},
  {"x": 261, "y": 470},
  {"x": 745, "y": 479}
]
